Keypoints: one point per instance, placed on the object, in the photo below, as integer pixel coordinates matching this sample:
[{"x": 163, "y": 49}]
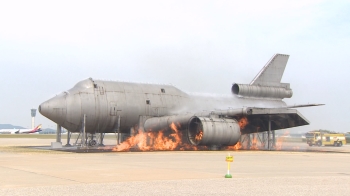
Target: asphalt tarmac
[{"x": 31, "y": 171}]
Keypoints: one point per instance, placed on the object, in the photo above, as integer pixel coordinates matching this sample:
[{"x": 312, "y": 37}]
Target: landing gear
[
  {"x": 69, "y": 135},
  {"x": 92, "y": 142}
]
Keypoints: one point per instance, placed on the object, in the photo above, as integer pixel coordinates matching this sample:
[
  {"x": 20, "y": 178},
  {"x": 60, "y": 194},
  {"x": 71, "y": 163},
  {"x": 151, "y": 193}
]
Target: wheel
[
  {"x": 340, "y": 144},
  {"x": 92, "y": 142},
  {"x": 335, "y": 144},
  {"x": 310, "y": 144},
  {"x": 319, "y": 144}
]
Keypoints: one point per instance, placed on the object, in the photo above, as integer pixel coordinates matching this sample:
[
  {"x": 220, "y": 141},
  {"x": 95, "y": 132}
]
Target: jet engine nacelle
[
  {"x": 246, "y": 90},
  {"x": 201, "y": 131},
  {"x": 213, "y": 131},
  {"x": 163, "y": 123}
]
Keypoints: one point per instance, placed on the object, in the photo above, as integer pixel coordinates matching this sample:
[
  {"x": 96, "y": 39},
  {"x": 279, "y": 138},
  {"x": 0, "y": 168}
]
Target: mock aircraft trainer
[{"x": 203, "y": 120}]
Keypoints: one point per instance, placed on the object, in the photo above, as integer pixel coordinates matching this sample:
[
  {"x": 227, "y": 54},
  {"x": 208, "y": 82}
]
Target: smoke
[
  {"x": 259, "y": 141},
  {"x": 173, "y": 140},
  {"x": 280, "y": 140},
  {"x": 199, "y": 102}
]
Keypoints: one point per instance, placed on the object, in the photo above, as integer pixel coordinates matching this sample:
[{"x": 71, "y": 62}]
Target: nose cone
[{"x": 55, "y": 108}]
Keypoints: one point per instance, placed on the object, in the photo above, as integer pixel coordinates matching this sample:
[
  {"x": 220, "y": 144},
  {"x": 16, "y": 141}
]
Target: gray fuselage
[{"x": 104, "y": 101}]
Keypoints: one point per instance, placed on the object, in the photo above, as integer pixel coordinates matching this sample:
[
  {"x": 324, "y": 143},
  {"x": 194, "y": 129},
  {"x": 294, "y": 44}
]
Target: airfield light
[{"x": 229, "y": 159}]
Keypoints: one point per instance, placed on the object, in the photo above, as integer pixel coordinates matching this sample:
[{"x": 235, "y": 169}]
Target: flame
[
  {"x": 280, "y": 140},
  {"x": 153, "y": 141},
  {"x": 235, "y": 147},
  {"x": 254, "y": 145},
  {"x": 198, "y": 136},
  {"x": 243, "y": 122}
]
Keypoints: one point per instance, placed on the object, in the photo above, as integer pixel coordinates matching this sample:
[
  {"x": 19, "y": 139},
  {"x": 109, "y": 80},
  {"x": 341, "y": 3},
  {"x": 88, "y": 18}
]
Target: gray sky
[{"x": 46, "y": 47}]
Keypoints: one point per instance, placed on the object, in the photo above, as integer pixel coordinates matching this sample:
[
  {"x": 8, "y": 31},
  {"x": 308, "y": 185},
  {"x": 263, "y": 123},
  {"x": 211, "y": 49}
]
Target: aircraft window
[
  {"x": 163, "y": 90},
  {"x": 148, "y": 102}
]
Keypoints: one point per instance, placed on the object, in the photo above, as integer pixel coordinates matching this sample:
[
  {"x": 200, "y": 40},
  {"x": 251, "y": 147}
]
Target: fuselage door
[{"x": 113, "y": 109}]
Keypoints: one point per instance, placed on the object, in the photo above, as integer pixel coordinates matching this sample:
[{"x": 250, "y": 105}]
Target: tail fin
[
  {"x": 267, "y": 84},
  {"x": 271, "y": 74},
  {"x": 38, "y": 127}
]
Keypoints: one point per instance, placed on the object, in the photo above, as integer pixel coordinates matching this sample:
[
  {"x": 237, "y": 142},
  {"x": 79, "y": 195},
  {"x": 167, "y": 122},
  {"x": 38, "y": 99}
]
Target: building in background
[{"x": 33, "y": 113}]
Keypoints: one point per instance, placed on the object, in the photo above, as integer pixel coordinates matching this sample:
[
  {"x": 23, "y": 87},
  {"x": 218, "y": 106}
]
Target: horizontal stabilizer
[{"x": 304, "y": 105}]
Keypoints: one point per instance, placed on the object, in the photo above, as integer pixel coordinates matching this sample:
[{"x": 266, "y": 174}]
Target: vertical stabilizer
[
  {"x": 267, "y": 84},
  {"x": 271, "y": 74}
]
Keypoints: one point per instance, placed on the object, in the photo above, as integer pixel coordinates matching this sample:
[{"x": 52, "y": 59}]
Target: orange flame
[
  {"x": 280, "y": 140},
  {"x": 199, "y": 136},
  {"x": 156, "y": 141},
  {"x": 235, "y": 147},
  {"x": 254, "y": 145},
  {"x": 243, "y": 122}
]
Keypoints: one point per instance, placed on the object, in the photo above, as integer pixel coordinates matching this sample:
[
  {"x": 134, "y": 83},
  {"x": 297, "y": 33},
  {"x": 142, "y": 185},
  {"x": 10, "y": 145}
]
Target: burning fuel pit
[{"x": 206, "y": 131}]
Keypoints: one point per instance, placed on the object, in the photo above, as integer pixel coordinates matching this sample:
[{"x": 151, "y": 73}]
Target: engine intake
[
  {"x": 246, "y": 90},
  {"x": 213, "y": 131}
]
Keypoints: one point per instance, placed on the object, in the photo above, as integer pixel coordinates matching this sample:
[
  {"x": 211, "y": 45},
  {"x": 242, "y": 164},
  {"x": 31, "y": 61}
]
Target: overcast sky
[{"x": 46, "y": 47}]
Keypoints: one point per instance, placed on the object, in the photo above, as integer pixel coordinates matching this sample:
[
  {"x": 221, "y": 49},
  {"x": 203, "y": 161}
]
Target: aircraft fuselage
[{"x": 104, "y": 101}]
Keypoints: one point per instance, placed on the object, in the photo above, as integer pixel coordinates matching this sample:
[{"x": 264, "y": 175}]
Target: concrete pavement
[{"x": 26, "y": 171}]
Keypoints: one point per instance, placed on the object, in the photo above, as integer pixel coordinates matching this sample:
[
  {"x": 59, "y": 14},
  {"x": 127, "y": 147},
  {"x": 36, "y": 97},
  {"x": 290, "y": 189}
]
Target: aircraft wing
[
  {"x": 281, "y": 118},
  {"x": 257, "y": 119},
  {"x": 303, "y": 105}
]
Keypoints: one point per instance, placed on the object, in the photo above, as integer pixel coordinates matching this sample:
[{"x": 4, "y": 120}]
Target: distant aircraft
[
  {"x": 20, "y": 131},
  {"x": 203, "y": 120}
]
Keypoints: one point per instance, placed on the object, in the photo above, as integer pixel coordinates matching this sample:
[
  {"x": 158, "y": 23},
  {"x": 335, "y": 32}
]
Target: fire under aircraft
[{"x": 204, "y": 120}]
